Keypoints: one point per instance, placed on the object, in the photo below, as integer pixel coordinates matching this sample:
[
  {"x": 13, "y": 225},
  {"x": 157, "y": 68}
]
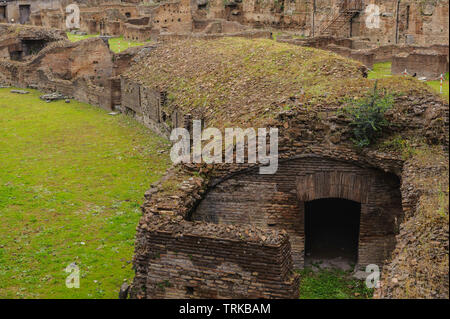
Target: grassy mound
[
  {"x": 72, "y": 179},
  {"x": 240, "y": 80},
  {"x": 233, "y": 82}
]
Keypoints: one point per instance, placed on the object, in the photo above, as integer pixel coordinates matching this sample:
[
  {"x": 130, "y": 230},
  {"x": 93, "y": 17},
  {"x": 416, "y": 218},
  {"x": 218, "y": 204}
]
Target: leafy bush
[{"x": 368, "y": 116}]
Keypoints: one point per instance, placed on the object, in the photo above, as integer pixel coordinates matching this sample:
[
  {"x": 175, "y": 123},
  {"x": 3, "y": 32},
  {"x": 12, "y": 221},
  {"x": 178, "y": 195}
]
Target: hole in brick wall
[
  {"x": 32, "y": 46},
  {"x": 189, "y": 291},
  {"x": 129, "y": 111},
  {"x": 332, "y": 229}
]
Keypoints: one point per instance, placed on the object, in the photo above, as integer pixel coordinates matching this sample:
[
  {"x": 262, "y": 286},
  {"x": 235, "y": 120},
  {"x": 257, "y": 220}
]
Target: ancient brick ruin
[
  {"x": 279, "y": 201},
  {"x": 401, "y": 22},
  {"x": 336, "y": 25},
  {"x": 421, "y": 63},
  {"x": 227, "y": 200},
  {"x": 225, "y": 231}
]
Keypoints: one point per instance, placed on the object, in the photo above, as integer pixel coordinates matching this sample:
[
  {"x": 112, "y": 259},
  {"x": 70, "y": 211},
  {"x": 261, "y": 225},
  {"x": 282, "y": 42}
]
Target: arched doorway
[{"x": 332, "y": 230}]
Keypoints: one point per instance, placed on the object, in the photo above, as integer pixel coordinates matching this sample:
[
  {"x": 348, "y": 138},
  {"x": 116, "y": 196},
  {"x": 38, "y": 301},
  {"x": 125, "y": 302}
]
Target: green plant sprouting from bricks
[{"x": 368, "y": 116}]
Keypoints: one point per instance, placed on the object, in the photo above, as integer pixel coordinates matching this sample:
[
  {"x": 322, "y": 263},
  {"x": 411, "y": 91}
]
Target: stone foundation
[
  {"x": 425, "y": 61},
  {"x": 429, "y": 64}
]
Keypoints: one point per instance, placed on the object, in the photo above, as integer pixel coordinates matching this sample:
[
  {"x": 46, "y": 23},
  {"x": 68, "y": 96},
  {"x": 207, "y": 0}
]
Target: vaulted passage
[
  {"x": 324, "y": 205},
  {"x": 332, "y": 229}
]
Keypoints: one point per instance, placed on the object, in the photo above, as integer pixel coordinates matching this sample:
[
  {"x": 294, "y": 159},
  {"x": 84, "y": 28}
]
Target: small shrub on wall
[{"x": 368, "y": 116}]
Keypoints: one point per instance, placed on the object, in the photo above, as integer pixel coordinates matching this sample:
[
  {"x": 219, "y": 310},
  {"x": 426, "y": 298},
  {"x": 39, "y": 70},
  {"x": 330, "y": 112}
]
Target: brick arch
[
  {"x": 278, "y": 201},
  {"x": 345, "y": 185}
]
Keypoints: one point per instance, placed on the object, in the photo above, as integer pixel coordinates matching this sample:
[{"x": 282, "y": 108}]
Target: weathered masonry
[
  {"x": 147, "y": 106},
  {"x": 226, "y": 231},
  {"x": 199, "y": 260},
  {"x": 280, "y": 201}
]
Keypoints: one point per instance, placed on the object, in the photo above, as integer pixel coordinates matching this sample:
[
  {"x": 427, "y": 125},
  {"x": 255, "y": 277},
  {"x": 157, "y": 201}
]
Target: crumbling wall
[
  {"x": 147, "y": 106},
  {"x": 212, "y": 261},
  {"x": 419, "y": 264},
  {"x": 249, "y": 34},
  {"x": 277, "y": 202},
  {"x": 173, "y": 16},
  {"x": 424, "y": 60},
  {"x": 429, "y": 64},
  {"x": 18, "y": 43},
  {"x": 364, "y": 56},
  {"x": 341, "y": 46},
  {"x": 138, "y": 32},
  {"x": 86, "y": 70}
]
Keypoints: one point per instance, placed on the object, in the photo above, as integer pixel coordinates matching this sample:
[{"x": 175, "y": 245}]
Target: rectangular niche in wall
[
  {"x": 24, "y": 12},
  {"x": 3, "y": 12},
  {"x": 332, "y": 230}
]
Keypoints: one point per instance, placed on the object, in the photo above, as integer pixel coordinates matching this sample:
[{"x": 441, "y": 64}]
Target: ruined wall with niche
[
  {"x": 86, "y": 70},
  {"x": 277, "y": 202},
  {"x": 20, "y": 11},
  {"x": 413, "y": 21},
  {"x": 173, "y": 16},
  {"x": 427, "y": 61},
  {"x": 410, "y": 22}
]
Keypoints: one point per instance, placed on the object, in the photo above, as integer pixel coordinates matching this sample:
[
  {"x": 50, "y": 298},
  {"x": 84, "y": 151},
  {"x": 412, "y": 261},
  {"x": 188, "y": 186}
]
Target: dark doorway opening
[
  {"x": 355, "y": 25},
  {"x": 332, "y": 229},
  {"x": 3, "y": 16},
  {"x": 30, "y": 47},
  {"x": 24, "y": 13}
]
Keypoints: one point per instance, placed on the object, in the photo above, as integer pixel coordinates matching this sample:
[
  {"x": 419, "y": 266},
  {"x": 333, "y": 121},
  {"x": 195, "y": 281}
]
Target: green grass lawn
[
  {"x": 331, "y": 284},
  {"x": 383, "y": 69},
  {"x": 72, "y": 179},
  {"x": 437, "y": 86},
  {"x": 118, "y": 44},
  {"x": 380, "y": 70}
]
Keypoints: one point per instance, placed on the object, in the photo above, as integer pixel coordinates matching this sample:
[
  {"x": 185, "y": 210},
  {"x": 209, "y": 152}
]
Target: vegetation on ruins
[
  {"x": 368, "y": 116},
  {"x": 331, "y": 284},
  {"x": 116, "y": 44},
  {"x": 72, "y": 179},
  {"x": 241, "y": 81}
]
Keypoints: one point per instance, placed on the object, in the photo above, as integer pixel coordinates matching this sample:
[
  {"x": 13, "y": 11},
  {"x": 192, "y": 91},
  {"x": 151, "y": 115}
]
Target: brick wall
[
  {"x": 146, "y": 104},
  {"x": 424, "y": 64},
  {"x": 174, "y": 16},
  {"x": 207, "y": 265},
  {"x": 278, "y": 202}
]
